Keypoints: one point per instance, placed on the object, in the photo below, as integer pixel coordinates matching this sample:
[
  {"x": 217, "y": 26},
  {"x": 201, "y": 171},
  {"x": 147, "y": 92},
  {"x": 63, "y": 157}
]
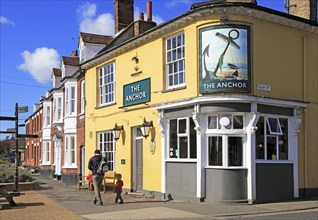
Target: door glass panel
[
  {"x": 173, "y": 147},
  {"x": 235, "y": 148},
  {"x": 215, "y": 151}
]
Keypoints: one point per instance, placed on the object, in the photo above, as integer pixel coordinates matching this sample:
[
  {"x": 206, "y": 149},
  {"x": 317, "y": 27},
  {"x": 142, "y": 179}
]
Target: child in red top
[{"x": 118, "y": 189}]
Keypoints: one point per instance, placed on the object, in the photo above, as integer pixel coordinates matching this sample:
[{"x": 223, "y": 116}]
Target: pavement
[{"x": 55, "y": 200}]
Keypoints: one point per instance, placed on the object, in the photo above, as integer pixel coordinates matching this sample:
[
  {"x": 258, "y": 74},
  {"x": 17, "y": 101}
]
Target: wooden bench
[
  {"x": 8, "y": 196},
  {"x": 83, "y": 182},
  {"x": 109, "y": 180}
]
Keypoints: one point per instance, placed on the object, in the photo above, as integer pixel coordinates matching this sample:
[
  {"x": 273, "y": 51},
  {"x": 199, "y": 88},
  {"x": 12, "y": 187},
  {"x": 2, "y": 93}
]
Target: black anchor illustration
[{"x": 232, "y": 35}]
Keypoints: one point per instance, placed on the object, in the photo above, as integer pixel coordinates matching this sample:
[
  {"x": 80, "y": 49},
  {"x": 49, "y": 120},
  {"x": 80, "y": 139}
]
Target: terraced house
[{"x": 218, "y": 104}]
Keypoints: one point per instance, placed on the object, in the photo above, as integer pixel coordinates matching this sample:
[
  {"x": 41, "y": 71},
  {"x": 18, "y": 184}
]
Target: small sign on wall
[{"x": 263, "y": 87}]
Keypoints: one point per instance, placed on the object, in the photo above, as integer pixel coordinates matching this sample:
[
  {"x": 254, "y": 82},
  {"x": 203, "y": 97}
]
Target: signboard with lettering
[
  {"x": 224, "y": 59},
  {"x": 137, "y": 92}
]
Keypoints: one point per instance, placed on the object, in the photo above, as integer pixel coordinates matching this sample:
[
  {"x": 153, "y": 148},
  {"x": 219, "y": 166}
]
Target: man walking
[{"x": 93, "y": 165}]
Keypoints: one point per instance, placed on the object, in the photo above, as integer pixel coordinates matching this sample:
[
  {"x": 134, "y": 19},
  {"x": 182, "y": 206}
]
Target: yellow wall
[{"x": 277, "y": 59}]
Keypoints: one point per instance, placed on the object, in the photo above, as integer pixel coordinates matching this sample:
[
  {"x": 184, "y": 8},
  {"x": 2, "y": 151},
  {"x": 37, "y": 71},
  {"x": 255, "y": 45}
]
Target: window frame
[
  {"x": 175, "y": 62},
  {"x": 47, "y": 113},
  {"x": 69, "y": 151},
  {"x": 180, "y": 136},
  {"x": 103, "y": 139},
  {"x": 111, "y": 84},
  {"x": 225, "y": 150},
  {"x": 82, "y": 111},
  {"x": 266, "y": 132},
  {"x": 46, "y": 153},
  {"x": 70, "y": 100}
]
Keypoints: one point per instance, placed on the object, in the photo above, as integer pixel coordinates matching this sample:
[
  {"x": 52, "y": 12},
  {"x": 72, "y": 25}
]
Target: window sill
[
  {"x": 226, "y": 168},
  {"x": 69, "y": 167},
  {"x": 173, "y": 89},
  {"x": 274, "y": 161},
  {"x": 181, "y": 160},
  {"x": 45, "y": 164},
  {"x": 106, "y": 105}
]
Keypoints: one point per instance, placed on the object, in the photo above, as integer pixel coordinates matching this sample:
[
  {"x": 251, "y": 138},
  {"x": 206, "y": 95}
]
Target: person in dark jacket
[{"x": 93, "y": 166}]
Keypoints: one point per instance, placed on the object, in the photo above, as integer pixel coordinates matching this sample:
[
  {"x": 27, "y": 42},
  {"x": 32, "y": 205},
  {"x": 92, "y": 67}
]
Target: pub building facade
[{"x": 228, "y": 93}]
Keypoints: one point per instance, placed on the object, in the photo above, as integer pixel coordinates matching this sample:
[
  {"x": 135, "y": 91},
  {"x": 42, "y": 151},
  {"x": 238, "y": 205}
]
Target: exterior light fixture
[
  {"x": 145, "y": 128},
  {"x": 116, "y": 131}
]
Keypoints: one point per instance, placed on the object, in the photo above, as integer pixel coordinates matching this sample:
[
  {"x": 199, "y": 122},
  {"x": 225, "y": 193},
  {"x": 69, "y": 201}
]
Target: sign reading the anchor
[{"x": 224, "y": 59}]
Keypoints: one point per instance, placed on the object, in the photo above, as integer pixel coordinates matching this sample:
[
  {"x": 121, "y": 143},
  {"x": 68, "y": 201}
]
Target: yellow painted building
[{"x": 231, "y": 91}]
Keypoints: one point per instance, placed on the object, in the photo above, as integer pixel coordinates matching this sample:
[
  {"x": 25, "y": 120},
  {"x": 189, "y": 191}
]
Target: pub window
[
  {"x": 272, "y": 138},
  {"x": 225, "y": 151},
  {"x": 182, "y": 143},
  {"x": 107, "y": 146},
  {"x": 231, "y": 122}
]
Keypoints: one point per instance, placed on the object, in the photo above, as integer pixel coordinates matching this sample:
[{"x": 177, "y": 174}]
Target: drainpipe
[{"x": 305, "y": 141}]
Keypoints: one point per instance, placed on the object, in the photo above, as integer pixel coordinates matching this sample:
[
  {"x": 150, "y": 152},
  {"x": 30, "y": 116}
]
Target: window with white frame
[
  {"x": 106, "y": 84},
  {"x": 225, "y": 138},
  {"x": 82, "y": 96},
  {"x": 175, "y": 62},
  {"x": 57, "y": 109},
  {"x": 70, "y": 150},
  {"x": 47, "y": 116},
  {"x": 272, "y": 138},
  {"x": 182, "y": 139},
  {"x": 70, "y": 100},
  {"x": 107, "y": 146},
  {"x": 46, "y": 154},
  {"x": 225, "y": 150},
  {"x": 225, "y": 121}
]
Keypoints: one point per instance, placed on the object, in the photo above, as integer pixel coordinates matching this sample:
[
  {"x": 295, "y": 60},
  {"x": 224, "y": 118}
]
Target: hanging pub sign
[
  {"x": 137, "y": 92},
  {"x": 224, "y": 61}
]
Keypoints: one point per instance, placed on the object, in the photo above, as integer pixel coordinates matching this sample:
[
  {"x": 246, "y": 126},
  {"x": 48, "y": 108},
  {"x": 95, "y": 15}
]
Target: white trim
[
  {"x": 163, "y": 123},
  {"x": 229, "y": 98}
]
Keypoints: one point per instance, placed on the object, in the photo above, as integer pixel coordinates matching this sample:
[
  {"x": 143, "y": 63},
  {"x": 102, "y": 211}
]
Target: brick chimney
[
  {"x": 141, "y": 25},
  {"x": 149, "y": 11},
  {"x": 124, "y": 14},
  {"x": 303, "y": 8}
]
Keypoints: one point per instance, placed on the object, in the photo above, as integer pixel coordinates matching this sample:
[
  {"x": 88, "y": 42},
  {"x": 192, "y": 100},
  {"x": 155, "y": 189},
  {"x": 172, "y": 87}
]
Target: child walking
[{"x": 118, "y": 188}]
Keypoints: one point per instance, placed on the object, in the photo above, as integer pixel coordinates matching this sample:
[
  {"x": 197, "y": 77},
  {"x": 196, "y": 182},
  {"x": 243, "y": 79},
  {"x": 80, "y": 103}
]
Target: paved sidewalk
[{"x": 54, "y": 200}]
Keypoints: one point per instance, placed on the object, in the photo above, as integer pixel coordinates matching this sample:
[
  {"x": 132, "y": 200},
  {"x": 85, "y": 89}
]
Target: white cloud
[
  {"x": 155, "y": 18},
  {"x": 4, "y": 20},
  {"x": 91, "y": 23},
  {"x": 174, "y": 3},
  {"x": 40, "y": 63}
]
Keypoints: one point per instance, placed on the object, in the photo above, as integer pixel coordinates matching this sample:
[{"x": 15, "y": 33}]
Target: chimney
[
  {"x": 149, "y": 11},
  {"x": 124, "y": 14},
  {"x": 303, "y": 8},
  {"x": 141, "y": 16},
  {"x": 74, "y": 53}
]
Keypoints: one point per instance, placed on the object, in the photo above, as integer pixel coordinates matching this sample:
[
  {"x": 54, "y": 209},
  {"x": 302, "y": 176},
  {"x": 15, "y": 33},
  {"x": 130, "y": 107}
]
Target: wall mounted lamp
[
  {"x": 116, "y": 131},
  {"x": 145, "y": 128}
]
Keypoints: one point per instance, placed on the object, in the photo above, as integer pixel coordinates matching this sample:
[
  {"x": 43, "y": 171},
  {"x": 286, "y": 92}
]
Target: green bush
[{"x": 7, "y": 170}]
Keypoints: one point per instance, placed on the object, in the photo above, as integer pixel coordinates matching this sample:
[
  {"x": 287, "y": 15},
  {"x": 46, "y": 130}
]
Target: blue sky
[{"x": 35, "y": 34}]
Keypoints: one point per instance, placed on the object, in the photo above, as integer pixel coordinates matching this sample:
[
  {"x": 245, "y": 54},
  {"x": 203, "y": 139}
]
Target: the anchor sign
[{"x": 230, "y": 40}]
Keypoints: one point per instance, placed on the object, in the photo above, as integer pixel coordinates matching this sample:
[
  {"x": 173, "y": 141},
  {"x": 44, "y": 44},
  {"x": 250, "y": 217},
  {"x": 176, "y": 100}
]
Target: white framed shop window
[
  {"x": 226, "y": 138},
  {"x": 107, "y": 146},
  {"x": 226, "y": 151},
  {"x": 182, "y": 139},
  {"x": 272, "y": 139}
]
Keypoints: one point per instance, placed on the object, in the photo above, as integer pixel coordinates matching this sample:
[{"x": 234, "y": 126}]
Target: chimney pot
[
  {"x": 74, "y": 53},
  {"x": 149, "y": 11}
]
